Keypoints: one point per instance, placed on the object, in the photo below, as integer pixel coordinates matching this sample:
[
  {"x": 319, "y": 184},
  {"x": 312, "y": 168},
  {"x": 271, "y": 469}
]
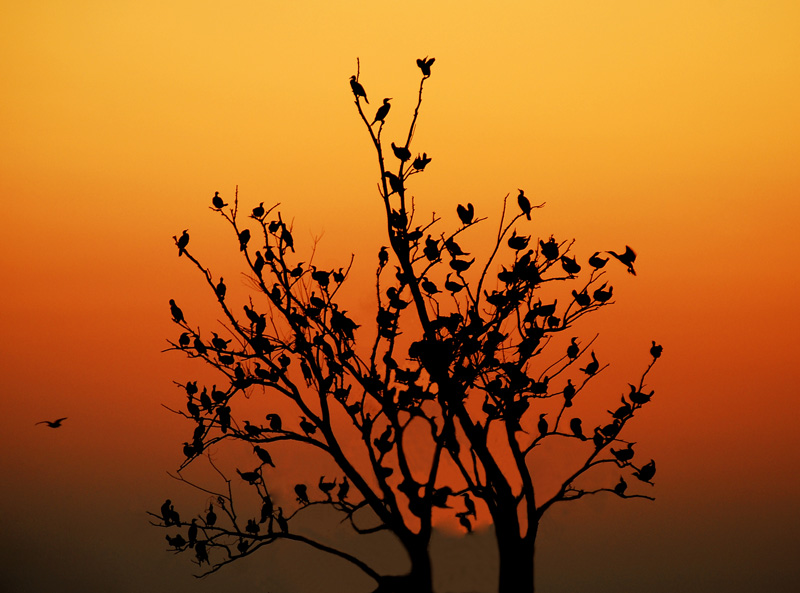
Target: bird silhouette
[
  {"x": 264, "y": 456},
  {"x": 524, "y": 204},
  {"x": 518, "y": 242},
  {"x": 428, "y": 286},
  {"x": 592, "y": 367},
  {"x": 623, "y": 455},
  {"x": 274, "y": 422},
  {"x": 542, "y": 425},
  {"x": 184, "y": 340},
  {"x": 183, "y": 241},
  {"x": 250, "y": 477},
  {"x": 453, "y": 287},
  {"x": 465, "y": 523},
  {"x": 569, "y": 393},
  {"x": 621, "y": 486},
  {"x": 626, "y": 258},
  {"x": 401, "y": 152},
  {"x": 244, "y": 237},
  {"x": 301, "y": 490},
  {"x": 421, "y": 162},
  {"x": 192, "y": 535},
  {"x": 220, "y": 289},
  {"x": 326, "y": 487},
  {"x": 656, "y": 350},
  {"x": 53, "y": 423},
  {"x": 217, "y": 202},
  {"x": 382, "y": 112},
  {"x": 211, "y": 516},
  {"x": 570, "y": 266},
  {"x": 603, "y": 296},
  {"x": 307, "y": 427},
  {"x": 582, "y": 298},
  {"x": 344, "y": 487},
  {"x": 647, "y": 472},
  {"x": 466, "y": 214},
  {"x": 258, "y": 211},
  {"x": 357, "y": 89},
  {"x": 283, "y": 524},
  {"x": 577, "y": 429},
  {"x": 573, "y": 349},
  {"x": 549, "y": 249},
  {"x": 425, "y": 65},
  {"x": 597, "y": 262},
  {"x": 177, "y": 314}
]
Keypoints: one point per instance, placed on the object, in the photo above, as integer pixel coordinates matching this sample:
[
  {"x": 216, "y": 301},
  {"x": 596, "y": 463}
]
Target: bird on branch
[
  {"x": 382, "y": 112},
  {"x": 358, "y": 89}
]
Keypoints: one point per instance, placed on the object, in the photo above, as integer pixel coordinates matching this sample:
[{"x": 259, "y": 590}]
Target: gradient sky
[{"x": 670, "y": 126}]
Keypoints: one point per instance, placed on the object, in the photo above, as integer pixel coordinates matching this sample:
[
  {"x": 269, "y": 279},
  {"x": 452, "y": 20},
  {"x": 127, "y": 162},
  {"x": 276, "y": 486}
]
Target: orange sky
[{"x": 672, "y": 126}]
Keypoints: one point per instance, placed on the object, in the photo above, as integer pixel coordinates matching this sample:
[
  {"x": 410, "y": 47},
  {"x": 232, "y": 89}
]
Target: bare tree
[{"x": 466, "y": 355}]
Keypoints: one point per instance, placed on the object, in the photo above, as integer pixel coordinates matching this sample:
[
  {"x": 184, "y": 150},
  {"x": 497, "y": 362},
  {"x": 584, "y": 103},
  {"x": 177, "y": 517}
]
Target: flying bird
[{"x": 53, "y": 423}]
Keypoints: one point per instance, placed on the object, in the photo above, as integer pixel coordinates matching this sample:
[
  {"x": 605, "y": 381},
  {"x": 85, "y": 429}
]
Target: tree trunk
[
  {"x": 516, "y": 564},
  {"x": 418, "y": 580}
]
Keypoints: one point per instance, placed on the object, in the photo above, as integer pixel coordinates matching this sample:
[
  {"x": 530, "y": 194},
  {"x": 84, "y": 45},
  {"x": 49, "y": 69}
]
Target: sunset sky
[{"x": 671, "y": 126}]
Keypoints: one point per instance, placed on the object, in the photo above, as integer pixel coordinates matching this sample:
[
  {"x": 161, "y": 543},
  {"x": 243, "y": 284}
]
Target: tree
[{"x": 464, "y": 355}]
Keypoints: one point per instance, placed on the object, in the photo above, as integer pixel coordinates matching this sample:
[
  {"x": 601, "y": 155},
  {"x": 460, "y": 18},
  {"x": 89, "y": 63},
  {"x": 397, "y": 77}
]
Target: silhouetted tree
[{"x": 466, "y": 350}]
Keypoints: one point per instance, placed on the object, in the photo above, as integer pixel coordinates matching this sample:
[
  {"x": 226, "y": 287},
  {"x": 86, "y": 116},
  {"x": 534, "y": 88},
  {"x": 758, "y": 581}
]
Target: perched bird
[
  {"x": 621, "y": 486},
  {"x": 470, "y": 505},
  {"x": 573, "y": 349},
  {"x": 301, "y": 490},
  {"x": 217, "y": 201},
  {"x": 344, "y": 487},
  {"x": 52, "y": 423},
  {"x": 211, "y": 516},
  {"x": 283, "y": 524},
  {"x": 626, "y": 258},
  {"x": 465, "y": 523},
  {"x": 258, "y": 211},
  {"x": 582, "y": 298},
  {"x": 518, "y": 242},
  {"x": 383, "y": 257},
  {"x": 425, "y": 65},
  {"x": 184, "y": 340},
  {"x": 647, "y": 472},
  {"x": 395, "y": 183},
  {"x": 249, "y": 477},
  {"x": 274, "y": 422},
  {"x": 597, "y": 262},
  {"x": 401, "y": 152},
  {"x": 421, "y": 162},
  {"x": 192, "y": 535},
  {"x": 576, "y": 428},
  {"x": 524, "y": 204},
  {"x": 549, "y": 249},
  {"x": 357, "y": 89},
  {"x": 429, "y": 287},
  {"x": 602, "y": 296},
  {"x": 264, "y": 456},
  {"x": 542, "y": 425},
  {"x": 569, "y": 393},
  {"x": 382, "y": 112},
  {"x": 655, "y": 350},
  {"x": 453, "y": 287},
  {"x": 623, "y": 455},
  {"x": 326, "y": 487},
  {"x": 466, "y": 214},
  {"x": 307, "y": 427},
  {"x": 592, "y": 367},
  {"x": 244, "y": 237},
  {"x": 570, "y": 266},
  {"x": 183, "y": 241},
  {"x": 177, "y": 314},
  {"x": 221, "y": 289}
]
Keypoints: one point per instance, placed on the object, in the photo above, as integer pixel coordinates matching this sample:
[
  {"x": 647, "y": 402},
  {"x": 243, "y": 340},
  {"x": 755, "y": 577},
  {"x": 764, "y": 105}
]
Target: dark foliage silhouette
[{"x": 472, "y": 371}]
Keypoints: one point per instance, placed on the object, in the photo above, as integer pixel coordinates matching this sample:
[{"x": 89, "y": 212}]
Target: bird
[
  {"x": 626, "y": 258},
  {"x": 283, "y": 524},
  {"x": 542, "y": 425},
  {"x": 211, "y": 516},
  {"x": 573, "y": 349},
  {"x": 421, "y": 162},
  {"x": 597, "y": 262},
  {"x": 183, "y": 241},
  {"x": 425, "y": 65},
  {"x": 358, "y": 90},
  {"x": 623, "y": 455},
  {"x": 647, "y": 472},
  {"x": 518, "y": 242},
  {"x": 621, "y": 486},
  {"x": 53, "y": 423},
  {"x": 465, "y": 213},
  {"x": 301, "y": 490},
  {"x": 524, "y": 204},
  {"x": 258, "y": 211},
  {"x": 470, "y": 505},
  {"x": 274, "y": 422},
  {"x": 592, "y": 367},
  {"x": 221, "y": 289},
  {"x": 249, "y": 477},
  {"x": 382, "y": 112},
  {"x": 217, "y": 201},
  {"x": 582, "y": 298},
  {"x": 569, "y": 393},
  {"x": 326, "y": 487},
  {"x": 577, "y": 430},
  {"x": 602, "y": 296},
  {"x": 656, "y": 350},
  {"x": 383, "y": 257},
  {"x": 264, "y": 456},
  {"x": 570, "y": 266},
  {"x": 177, "y": 314},
  {"x": 307, "y": 427},
  {"x": 453, "y": 287},
  {"x": 401, "y": 152},
  {"x": 465, "y": 523},
  {"x": 549, "y": 249},
  {"x": 192, "y": 535},
  {"x": 244, "y": 237},
  {"x": 344, "y": 487},
  {"x": 428, "y": 286},
  {"x": 184, "y": 340}
]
